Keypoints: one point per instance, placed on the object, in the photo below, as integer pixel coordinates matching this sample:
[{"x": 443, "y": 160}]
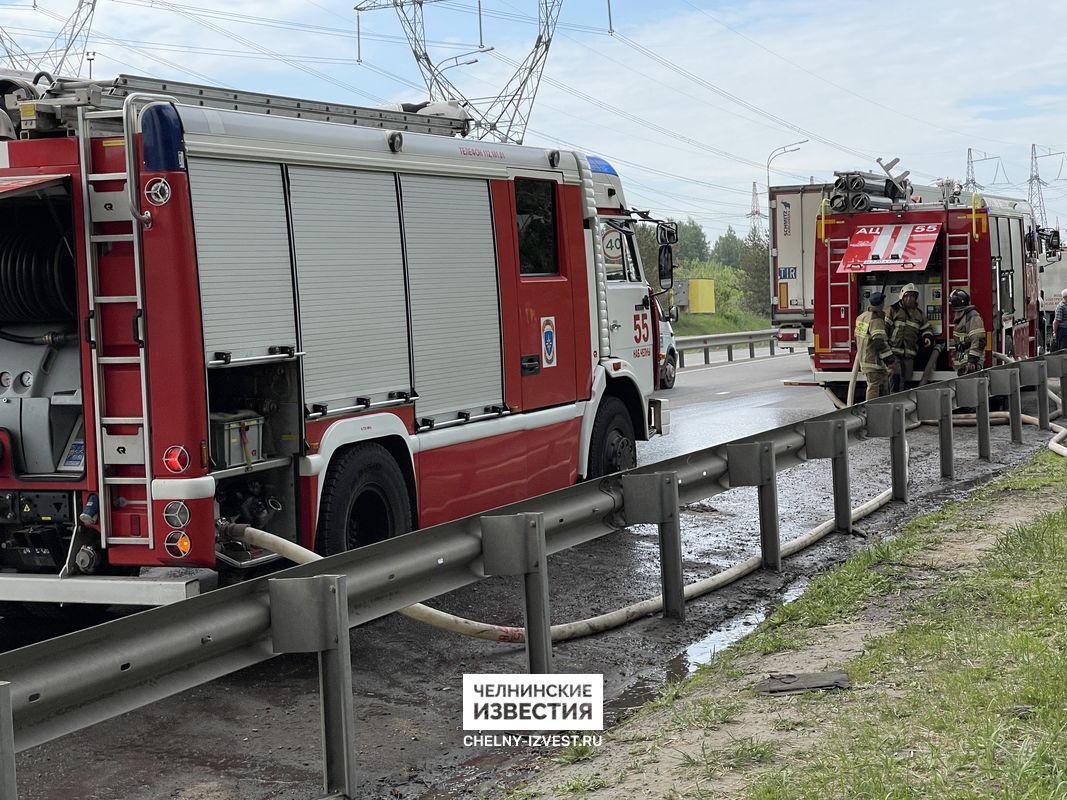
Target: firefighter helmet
[
  {"x": 908, "y": 287},
  {"x": 959, "y": 299}
]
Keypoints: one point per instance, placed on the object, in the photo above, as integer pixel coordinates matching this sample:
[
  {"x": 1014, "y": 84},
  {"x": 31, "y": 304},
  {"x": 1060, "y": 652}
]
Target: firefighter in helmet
[
  {"x": 968, "y": 333},
  {"x": 873, "y": 351},
  {"x": 908, "y": 326}
]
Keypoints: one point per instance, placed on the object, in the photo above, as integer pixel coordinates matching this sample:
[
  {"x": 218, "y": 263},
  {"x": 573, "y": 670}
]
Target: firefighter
[
  {"x": 873, "y": 351},
  {"x": 908, "y": 326},
  {"x": 968, "y": 333}
]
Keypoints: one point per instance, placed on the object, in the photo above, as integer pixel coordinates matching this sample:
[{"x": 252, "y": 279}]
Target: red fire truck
[
  {"x": 985, "y": 245},
  {"x": 325, "y": 321}
]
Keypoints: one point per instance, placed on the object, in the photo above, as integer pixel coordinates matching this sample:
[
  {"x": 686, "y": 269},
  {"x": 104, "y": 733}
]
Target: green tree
[
  {"x": 645, "y": 234},
  {"x": 692, "y": 244},
  {"x": 754, "y": 275},
  {"x": 727, "y": 249}
]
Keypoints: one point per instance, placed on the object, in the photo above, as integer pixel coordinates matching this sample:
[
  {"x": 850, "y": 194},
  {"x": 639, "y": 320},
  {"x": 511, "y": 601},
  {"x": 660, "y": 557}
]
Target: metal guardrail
[
  {"x": 727, "y": 340},
  {"x": 65, "y": 684}
]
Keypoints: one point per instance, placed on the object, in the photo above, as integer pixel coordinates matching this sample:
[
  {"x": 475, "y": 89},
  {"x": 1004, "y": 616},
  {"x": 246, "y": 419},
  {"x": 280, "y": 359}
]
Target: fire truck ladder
[
  {"x": 131, "y": 452},
  {"x": 56, "y": 108},
  {"x": 841, "y": 311},
  {"x": 959, "y": 261}
]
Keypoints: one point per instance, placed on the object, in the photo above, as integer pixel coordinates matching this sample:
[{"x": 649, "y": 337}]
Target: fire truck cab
[
  {"x": 336, "y": 324},
  {"x": 981, "y": 244}
]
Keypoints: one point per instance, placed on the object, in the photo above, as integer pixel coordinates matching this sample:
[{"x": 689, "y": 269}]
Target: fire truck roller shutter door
[
  {"x": 349, "y": 259},
  {"x": 455, "y": 310},
  {"x": 242, "y": 248}
]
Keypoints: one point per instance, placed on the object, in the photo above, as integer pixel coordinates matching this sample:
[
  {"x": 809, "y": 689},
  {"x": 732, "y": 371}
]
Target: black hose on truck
[{"x": 36, "y": 284}]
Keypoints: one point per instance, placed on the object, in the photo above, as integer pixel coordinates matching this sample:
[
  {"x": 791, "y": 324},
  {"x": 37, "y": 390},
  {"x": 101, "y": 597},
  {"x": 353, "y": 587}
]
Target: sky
[{"x": 687, "y": 98}]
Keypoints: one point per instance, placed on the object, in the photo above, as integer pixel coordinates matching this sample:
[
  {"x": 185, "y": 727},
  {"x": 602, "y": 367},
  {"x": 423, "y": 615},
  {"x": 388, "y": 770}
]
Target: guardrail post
[
  {"x": 1005, "y": 381},
  {"x": 654, "y": 498},
  {"x": 681, "y": 358},
  {"x": 751, "y": 349},
  {"x": 974, "y": 393},
  {"x": 753, "y": 464},
  {"x": 310, "y": 615},
  {"x": 829, "y": 439},
  {"x": 1056, "y": 366},
  {"x": 729, "y": 353},
  {"x": 1035, "y": 373},
  {"x": 886, "y": 421},
  {"x": 9, "y": 789},
  {"x": 936, "y": 405},
  {"x": 771, "y": 342},
  {"x": 515, "y": 545}
]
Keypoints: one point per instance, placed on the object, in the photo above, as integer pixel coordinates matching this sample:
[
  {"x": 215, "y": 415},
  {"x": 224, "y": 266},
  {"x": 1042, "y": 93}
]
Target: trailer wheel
[
  {"x": 613, "y": 446},
  {"x": 364, "y": 500},
  {"x": 670, "y": 371}
]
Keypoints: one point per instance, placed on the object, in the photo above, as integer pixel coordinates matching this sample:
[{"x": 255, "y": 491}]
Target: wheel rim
[
  {"x": 369, "y": 519},
  {"x": 621, "y": 451},
  {"x": 669, "y": 371}
]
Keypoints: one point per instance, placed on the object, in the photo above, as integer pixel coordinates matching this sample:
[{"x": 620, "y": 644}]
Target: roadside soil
[{"x": 714, "y": 736}]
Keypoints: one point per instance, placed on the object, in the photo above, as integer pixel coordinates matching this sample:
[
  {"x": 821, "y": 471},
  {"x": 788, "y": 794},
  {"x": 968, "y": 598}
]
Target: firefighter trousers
[{"x": 877, "y": 383}]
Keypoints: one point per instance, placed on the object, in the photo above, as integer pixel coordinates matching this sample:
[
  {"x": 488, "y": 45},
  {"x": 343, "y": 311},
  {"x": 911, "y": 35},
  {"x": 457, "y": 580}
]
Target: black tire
[
  {"x": 670, "y": 371},
  {"x": 364, "y": 500},
  {"x": 613, "y": 446}
]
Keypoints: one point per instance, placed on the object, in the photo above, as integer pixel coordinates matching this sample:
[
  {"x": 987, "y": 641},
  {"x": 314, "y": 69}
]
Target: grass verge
[{"x": 968, "y": 699}]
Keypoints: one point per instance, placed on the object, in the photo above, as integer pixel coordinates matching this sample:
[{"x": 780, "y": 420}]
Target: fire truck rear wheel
[
  {"x": 364, "y": 500},
  {"x": 613, "y": 446}
]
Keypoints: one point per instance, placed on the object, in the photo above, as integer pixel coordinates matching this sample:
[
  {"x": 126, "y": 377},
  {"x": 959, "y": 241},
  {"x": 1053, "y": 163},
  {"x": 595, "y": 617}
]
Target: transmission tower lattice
[
  {"x": 756, "y": 215},
  {"x": 1037, "y": 196},
  {"x": 503, "y": 117},
  {"x": 64, "y": 55}
]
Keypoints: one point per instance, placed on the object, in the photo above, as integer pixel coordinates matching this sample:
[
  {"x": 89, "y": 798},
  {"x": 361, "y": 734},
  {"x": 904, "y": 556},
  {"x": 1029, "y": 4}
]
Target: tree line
[{"x": 738, "y": 266}]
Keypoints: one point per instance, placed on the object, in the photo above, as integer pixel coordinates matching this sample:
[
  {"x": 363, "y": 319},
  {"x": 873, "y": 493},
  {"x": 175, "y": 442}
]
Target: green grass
[
  {"x": 978, "y": 679},
  {"x": 725, "y": 321},
  {"x": 707, "y": 713},
  {"x": 581, "y": 784},
  {"x": 711, "y": 763},
  {"x": 572, "y": 754}
]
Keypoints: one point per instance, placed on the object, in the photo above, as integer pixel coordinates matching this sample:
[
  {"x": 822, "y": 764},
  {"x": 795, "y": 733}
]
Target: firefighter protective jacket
[
  {"x": 906, "y": 327},
  {"x": 968, "y": 335},
  {"x": 872, "y": 341}
]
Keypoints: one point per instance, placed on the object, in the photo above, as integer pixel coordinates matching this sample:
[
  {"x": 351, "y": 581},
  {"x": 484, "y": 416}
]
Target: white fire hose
[
  {"x": 569, "y": 630},
  {"x": 614, "y": 619}
]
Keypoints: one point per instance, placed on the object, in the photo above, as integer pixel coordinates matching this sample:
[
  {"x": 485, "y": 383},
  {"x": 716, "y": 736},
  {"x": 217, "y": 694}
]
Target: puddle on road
[{"x": 698, "y": 653}]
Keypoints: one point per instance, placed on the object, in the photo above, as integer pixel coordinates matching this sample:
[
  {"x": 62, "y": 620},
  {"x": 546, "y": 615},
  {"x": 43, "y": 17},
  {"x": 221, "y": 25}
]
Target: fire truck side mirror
[
  {"x": 666, "y": 267},
  {"x": 666, "y": 233},
  {"x": 672, "y": 314}
]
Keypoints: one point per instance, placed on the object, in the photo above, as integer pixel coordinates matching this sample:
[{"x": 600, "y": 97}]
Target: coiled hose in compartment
[{"x": 36, "y": 277}]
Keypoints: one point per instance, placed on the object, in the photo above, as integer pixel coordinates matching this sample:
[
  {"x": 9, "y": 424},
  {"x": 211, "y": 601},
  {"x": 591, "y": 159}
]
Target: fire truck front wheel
[
  {"x": 613, "y": 446},
  {"x": 364, "y": 500}
]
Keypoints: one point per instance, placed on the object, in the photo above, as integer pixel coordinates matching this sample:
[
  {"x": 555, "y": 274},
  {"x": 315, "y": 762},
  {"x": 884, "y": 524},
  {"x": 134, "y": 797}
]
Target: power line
[{"x": 665, "y": 62}]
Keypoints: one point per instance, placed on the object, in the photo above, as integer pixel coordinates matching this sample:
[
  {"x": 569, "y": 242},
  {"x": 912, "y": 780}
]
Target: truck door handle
[
  {"x": 530, "y": 365},
  {"x": 615, "y": 325}
]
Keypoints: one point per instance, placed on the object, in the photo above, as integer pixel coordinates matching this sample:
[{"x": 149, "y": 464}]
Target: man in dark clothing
[
  {"x": 872, "y": 348},
  {"x": 968, "y": 334},
  {"x": 1059, "y": 323},
  {"x": 908, "y": 326}
]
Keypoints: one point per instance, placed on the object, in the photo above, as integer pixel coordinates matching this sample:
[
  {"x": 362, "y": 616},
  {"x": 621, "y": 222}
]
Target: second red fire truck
[{"x": 988, "y": 246}]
